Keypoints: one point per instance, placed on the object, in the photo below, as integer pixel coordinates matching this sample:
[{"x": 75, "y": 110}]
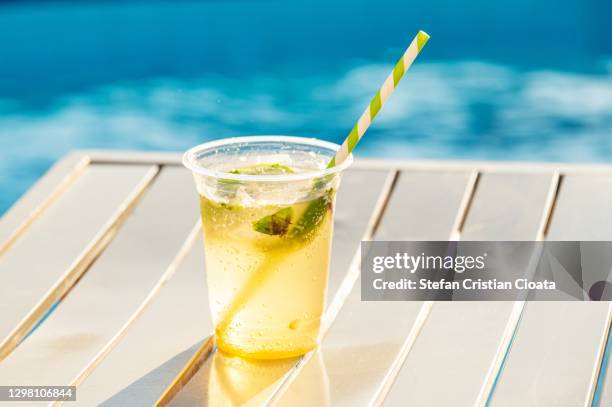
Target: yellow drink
[
  {"x": 267, "y": 206},
  {"x": 267, "y": 291}
]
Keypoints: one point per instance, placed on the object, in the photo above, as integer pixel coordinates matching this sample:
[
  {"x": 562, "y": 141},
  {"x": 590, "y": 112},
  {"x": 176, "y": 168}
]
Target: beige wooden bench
[{"x": 102, "y": 285}]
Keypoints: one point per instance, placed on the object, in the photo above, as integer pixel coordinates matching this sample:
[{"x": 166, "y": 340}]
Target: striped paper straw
[{"x": 380, "y": 98}]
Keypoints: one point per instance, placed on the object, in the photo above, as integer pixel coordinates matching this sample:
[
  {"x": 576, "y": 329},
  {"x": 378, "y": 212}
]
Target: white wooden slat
[
  {"x": 93, "y": 316},
  {"x": 358, "y": 197},
  {"x": 582, "y": 211},
  {"x": 510, "y": 207},
  {"x": 45, "y": 261},
  {"x": 42, "y": 194},
  {"x": 365, "y": 341},
  {"x": 462, "y": 344},
  {"x": 424, "y": 205},
  {"x": 555, "y": 355},
  {"x": 557, "y": 351}
]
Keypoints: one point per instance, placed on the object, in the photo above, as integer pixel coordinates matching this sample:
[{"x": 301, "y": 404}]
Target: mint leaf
[
  {"x": 275, "y": 224},
  {"x": 280, "y": 222},
  {"x": 313, "y": 215}
]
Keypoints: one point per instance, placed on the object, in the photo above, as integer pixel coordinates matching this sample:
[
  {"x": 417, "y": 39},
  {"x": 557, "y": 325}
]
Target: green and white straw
[{"x": 380, "y": 98}]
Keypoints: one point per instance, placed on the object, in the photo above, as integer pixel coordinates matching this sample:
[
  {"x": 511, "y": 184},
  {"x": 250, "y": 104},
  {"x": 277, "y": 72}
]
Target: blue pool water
[{"x": 520, "y": 80}]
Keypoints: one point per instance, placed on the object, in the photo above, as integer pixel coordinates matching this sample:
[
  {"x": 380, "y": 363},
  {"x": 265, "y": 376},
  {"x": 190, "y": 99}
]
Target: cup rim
[{"x": 189, "y": 159}]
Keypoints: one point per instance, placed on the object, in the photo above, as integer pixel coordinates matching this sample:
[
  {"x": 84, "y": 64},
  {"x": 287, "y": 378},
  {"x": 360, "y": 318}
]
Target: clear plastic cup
[{"x": 267, "y": 205}]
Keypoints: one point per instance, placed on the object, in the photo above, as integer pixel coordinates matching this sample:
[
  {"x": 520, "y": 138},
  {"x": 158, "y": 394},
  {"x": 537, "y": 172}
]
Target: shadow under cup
[{"x": 267, "y": 205}]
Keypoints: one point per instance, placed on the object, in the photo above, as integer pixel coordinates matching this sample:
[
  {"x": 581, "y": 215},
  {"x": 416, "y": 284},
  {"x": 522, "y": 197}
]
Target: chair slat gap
[
  {"x": 466, "y": 205},
  {"x": 598, "y": 379},
  {"x": 554, "y": 195}
]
